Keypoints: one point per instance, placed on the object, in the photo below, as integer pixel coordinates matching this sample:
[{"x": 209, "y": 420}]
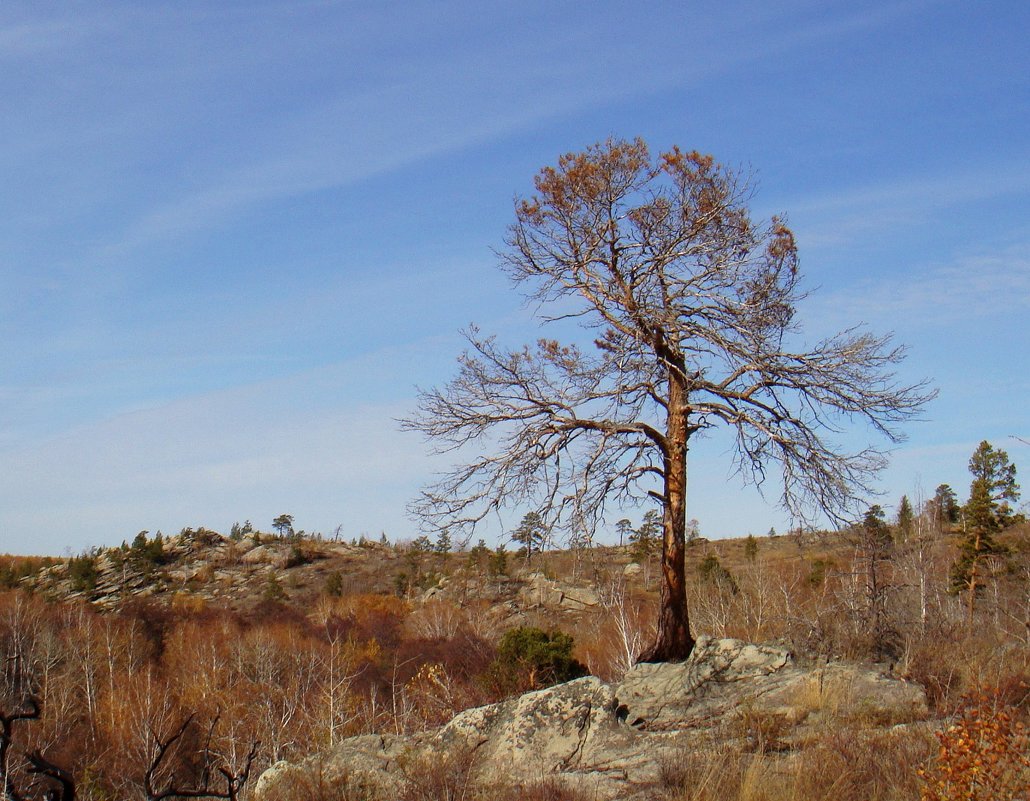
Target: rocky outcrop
[
  {"x": 540, "y": 591},
  {"x": 612, "y": 740}
]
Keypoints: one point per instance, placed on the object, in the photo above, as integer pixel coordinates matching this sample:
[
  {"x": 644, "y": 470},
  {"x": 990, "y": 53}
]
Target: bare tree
[{"x": 691, "y": 305}]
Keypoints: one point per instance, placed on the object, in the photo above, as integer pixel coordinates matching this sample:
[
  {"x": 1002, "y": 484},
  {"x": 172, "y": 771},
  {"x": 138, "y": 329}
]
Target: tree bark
[{"x": 673, "y": 642}]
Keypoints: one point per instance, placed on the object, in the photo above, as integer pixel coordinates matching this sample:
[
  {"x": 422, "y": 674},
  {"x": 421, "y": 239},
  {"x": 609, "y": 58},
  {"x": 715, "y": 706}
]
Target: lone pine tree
[{"x": 688, "y": 306}]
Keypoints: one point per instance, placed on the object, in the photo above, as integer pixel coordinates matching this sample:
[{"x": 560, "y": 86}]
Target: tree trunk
[
  {"x": 972, "y": 576},
  {"x": 673, "y": 642}
]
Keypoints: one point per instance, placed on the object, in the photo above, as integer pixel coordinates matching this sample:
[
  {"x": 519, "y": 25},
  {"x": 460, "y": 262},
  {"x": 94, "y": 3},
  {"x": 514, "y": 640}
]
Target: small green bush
[{"x": 529, "y": 658}]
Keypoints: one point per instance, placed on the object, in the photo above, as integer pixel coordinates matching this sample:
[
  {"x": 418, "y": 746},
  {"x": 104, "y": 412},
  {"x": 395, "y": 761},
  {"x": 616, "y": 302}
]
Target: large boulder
[
  {"x": 668, "y": 695},
  {"x": 613, "y": 741}
]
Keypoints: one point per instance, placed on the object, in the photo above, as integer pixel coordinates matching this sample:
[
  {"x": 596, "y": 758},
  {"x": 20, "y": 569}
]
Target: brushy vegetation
[{"x": 301, "y": 668}]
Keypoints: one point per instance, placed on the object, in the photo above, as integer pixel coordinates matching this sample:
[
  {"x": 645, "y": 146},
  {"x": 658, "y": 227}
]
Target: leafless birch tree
[{"x": 691, "y": 306}]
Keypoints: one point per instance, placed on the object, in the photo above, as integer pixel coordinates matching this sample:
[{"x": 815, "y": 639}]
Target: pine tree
[
  {"x": 906, "y": 519},
  {"x": 986, "y": 511},
  {"x": 531, "y": 534},
  {"x": 944, "y": 507},
  {"x": 283, "y": 524},
  {"x": 624, "y": 528},
  {"x": 645, "y": 538},
  {"x": 876, "y": 546}
]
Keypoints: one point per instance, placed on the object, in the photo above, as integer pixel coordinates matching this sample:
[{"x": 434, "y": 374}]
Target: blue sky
[{"x": 236, "y": 235}]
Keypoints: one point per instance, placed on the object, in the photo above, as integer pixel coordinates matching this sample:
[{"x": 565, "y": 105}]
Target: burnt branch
[
  {"x": 7, "y": 721},
  {"x": 41, "y": 765},
  {"x": 234, "y": 780}
]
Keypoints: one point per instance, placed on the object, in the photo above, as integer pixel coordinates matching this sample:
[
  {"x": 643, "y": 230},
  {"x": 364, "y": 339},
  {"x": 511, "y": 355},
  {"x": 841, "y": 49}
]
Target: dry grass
[
  {"x": 446, "y": 776},
  {"x": 548, "y": 789},
  {"x": 314, "y": 783},
  {"x": 842, "y": 764}
]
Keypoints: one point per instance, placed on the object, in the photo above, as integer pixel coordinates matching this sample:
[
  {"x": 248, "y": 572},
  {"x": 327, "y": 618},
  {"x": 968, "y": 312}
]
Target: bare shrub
[
  {"x": 619, "y": 630},
  {"x": 840, "y": 763},
  {"x": 436, "y": 620},
  {"x": 762, "y": 731},
  {"x": 940, "y": 678}
]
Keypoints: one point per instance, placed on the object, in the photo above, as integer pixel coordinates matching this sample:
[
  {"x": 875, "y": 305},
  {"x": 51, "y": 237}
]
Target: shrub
[
  {"x": 334, "y": 584},
  {"x": 982, "y": 756},
  {"x": 529, "y": 658},
  {"x": 701, "y": 775},
  {"x": 817, "y": 573},
  {"x": 83, "y": 573},
  {"x": 13, "y": 569},
  {"x": 296, "y": 557},
  {"x": 273, "y": 591},
  {"x": 146, "y": 554},
  {"x": 711, "y": 571},
  {"x": 549, "y": 789},
  {"x": 314, "y": 782},
  {"x": 762, "y": 731}
]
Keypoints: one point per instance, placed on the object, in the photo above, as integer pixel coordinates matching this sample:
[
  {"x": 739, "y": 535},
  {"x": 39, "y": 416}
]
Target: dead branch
[{"x": 234, "y": 780}]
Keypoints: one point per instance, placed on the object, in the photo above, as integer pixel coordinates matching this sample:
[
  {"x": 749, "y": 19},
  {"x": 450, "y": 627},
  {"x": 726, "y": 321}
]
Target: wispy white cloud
[
  {"x": 347, "y": 138},
  {"x": 20, "y": 40},
  {"x": 843, "y": 216},
  {"x": 973, "y": 286}
]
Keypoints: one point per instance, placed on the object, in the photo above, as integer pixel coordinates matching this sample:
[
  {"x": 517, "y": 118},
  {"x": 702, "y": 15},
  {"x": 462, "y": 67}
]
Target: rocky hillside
[{"x": 198, "y": 569}]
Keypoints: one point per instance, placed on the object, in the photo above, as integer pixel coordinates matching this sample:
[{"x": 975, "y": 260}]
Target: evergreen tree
[
  {"x": 906, "y": 519},
  {"x": 283, "y": 524},
  {"x": 944, "y": 508},
  {"x": 498, "y": 565},
  {"x": 876, "y": 546},
  {"x": 478, "y": 556},
  {"x": 875, "y": 526},
  {"x": 531, "y": 534},
  {"x": 994, "y": 485},
  {"x": 986, "y": 511},
  {"x": 624, "y": 528},
  {"x": 645, "y": 538},
  {"x": 750, "y": 548}
]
